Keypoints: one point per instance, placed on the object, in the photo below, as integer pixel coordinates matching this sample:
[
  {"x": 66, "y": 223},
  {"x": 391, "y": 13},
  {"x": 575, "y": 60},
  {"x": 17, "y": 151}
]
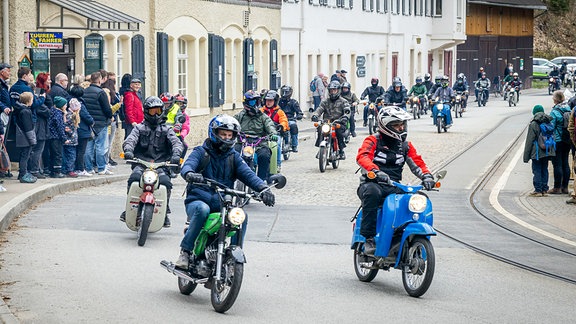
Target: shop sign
[{"x": 46, "y": 40}]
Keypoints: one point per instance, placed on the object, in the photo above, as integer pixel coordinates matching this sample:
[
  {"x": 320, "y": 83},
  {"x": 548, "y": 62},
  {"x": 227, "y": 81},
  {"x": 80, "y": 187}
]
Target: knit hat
[
  {"x": 59, "y": 102},
  {"x": 74, "y": 104},
  {"x": 537, "y": 109}
]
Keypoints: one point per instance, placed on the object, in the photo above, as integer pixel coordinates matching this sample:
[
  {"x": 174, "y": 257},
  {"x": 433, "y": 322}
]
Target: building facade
[{"x": 369, "y": 38}]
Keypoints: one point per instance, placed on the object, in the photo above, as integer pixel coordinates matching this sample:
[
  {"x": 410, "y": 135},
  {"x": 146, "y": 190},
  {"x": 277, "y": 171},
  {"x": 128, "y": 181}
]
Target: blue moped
[
  {"x": 404, "y": 227},
  {"x": 443, "y": 111}
]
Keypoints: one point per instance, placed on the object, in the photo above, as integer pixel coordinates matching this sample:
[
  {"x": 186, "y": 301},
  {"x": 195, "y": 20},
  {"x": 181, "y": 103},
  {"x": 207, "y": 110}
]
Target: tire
[
  {"x": 418, "y": 277},
  {"x": 147, "y": 211},
  {"x": 186, "y": 287},
  {"x": 439, "y": 124},
  {"x": 549, "y": 90},
  {"x": 322, "y": 158},
  {"x": 336, "y": 160},
  {"x": 364, "y": 275},
  {"x": 286, "y": 154},
  {"x": 456, "y": 108},
  {"x": 510, "y": 101},
  {"x": 415, "y": 111},
  {"x": 371, "y": 125},
  {"x": 232, "y": 285},
  {"x": 480, "y": 99}
]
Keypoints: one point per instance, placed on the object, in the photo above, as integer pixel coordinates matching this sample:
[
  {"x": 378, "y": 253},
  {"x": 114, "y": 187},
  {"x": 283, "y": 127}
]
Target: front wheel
[
  {"x": 224, "y": 292},
  {"x": 456, "y": 109},
  {"x": 146, "y": 216},
  {"x": 439, "y": 124},
  {"x": 322, "y": 157},
  {"x": 186, "y": 287},
  {"x": 418, "y": 269},
  {"x": 335, "y": 158},
  {"x": 370, "y": 125},
  {"x": 361, "y": 267}
]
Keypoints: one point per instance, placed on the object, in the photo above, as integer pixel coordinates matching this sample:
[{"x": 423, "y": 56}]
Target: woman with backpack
[
  {"x": 560, "y": 117},
  {"x": 539, "y": 149}
]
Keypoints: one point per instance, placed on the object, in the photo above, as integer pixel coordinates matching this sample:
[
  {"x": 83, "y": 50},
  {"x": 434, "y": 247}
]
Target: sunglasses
[{"x": 156, "y": 111}]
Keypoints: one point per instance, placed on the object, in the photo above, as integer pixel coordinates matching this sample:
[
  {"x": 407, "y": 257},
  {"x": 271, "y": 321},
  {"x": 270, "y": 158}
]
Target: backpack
[
  {"x": 546, "y": 139},
  {"x": 313, "y": 85},
  {"x": 565, "y": 135}
]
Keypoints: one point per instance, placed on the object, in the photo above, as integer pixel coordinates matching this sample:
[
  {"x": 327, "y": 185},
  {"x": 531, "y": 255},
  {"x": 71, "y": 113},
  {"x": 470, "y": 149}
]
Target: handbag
[{"x": 4, "y": 158}]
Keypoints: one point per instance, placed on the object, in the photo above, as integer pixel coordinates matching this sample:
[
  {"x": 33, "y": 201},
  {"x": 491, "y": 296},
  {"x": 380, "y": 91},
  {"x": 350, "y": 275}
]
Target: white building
[{"x": 369, "y": 38}]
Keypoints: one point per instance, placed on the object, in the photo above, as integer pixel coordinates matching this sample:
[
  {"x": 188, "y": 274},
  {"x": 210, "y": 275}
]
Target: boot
[
  {"x": 370, "y": 246},
  {"x": 342, "y": 155},
  {"x": 572, "y": 200}
]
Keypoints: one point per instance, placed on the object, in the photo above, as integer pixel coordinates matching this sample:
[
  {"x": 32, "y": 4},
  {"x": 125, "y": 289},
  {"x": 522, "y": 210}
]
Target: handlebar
[{"x": 151, "y": 165}]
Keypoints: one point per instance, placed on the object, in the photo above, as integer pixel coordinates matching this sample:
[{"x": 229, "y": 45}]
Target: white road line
[{"x": 494, "y": 201}]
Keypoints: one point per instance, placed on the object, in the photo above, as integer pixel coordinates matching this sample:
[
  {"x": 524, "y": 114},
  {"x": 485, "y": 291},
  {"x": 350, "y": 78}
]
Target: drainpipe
[
  {"x": 300, "y": 56},
  {"x": 6, "y": 31}
]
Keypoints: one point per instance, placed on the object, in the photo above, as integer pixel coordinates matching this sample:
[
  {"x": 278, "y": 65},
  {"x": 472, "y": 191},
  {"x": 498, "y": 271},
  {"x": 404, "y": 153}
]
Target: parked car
[
  {"x": 541, "y": 67},
  {"x": 571, "y": 60}
]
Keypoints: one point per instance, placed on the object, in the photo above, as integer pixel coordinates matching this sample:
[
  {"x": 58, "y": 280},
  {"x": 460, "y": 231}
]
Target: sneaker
[
  {"x": 370, "y": 246},
  {"x": 565, "y": 191},
  {"x": 57, "y": 175},
  {"x": 39, "y": 175},
  {"x": 535, "y": 194},
  {"x": 365, "y": 124},
  {"x": 555, "y": 191},
  {"x": 112, "y": 162},
  {"x": 72, "y": 174},
  {"x": 123, "y": 217},
  {"x": 572, "y": 200},
  {"x": 544, "y": 194},
  {"x": 105, "y": 172},
  {"x": 2, "y": 189},
  {"x": 353, "y": 134},
  {"x": 91, "y": 172},
  {"x": 28, "y": 178},
  {"x": 167, "y": 222},
  {"x": 110, "y": 167},
  {"x": 83, "y": 173},
  {"x": 278, "y": 169},
  {"x": 295, "y": 149},
  {"x": 183, "y": 260}
]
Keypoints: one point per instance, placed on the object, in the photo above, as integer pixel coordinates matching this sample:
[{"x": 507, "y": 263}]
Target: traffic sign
[
  {"x": 361, "y": 72},
  {"x": 360, "y": 61}
]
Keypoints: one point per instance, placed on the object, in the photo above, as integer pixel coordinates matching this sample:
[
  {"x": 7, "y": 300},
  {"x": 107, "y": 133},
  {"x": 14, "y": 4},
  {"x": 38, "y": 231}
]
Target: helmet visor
[
  {"x": 155, "y": 111},
  {"x": 252, "y": 102}
]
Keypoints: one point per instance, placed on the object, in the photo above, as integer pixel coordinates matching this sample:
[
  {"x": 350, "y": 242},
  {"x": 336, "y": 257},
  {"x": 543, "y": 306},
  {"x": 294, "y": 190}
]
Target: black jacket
[
  {"x": 153, "y": 143},
  {"x": 25, "y": 135},
  {"x": 98, "y": 106},
  {"x": 372, "y": 93},
  {"x": 58, "y": 90},
  {"x": 291, "y": 108},
  {"x": 42, "y": 114}
]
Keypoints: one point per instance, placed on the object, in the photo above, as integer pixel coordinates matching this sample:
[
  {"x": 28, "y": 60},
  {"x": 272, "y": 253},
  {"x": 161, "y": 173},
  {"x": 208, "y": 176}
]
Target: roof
[
  {"x": 96, "y": 12},
  {"x": 526, "y": 4}
]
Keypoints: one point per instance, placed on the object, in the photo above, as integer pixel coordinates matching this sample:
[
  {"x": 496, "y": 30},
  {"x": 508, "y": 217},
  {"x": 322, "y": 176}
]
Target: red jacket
[
  {"x": 277, "y": 115},
  {"x": 393, "y": 162},
  {"x": 133, "y": 108}
]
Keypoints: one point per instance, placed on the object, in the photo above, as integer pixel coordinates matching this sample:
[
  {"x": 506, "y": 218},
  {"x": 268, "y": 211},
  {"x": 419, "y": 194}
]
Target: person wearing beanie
[
  {"x": 57, "y": 135},
  {"x": 71, "y": 122},
  {"x": 539, "y": 156}
]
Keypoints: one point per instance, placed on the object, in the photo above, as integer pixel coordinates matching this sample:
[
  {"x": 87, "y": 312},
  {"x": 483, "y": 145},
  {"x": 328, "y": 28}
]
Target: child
[
  {"x": 57, "y": 135},
  {"x": 25, "y": 135},
  {"x": 71, "y": 130}
]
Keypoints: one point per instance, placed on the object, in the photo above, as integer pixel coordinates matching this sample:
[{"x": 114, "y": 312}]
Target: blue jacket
[
  {"x": 4, "y": 96},
  {"x": 56, "y": 124},
  {"x": 218, "y": 170},
  {"x": 22, "y": 86},
  {"x": 86, "y": 121},
  {"x": 558, "y": 120}
]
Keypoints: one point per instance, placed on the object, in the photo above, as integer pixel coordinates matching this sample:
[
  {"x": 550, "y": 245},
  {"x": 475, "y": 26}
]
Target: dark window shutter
[
  {"x": 138, "y": 63},
  {"x": 162, "y": 61},
  {"x": 274, "y": 73},
  {"x": 250, "y": 82},
  {"x": 216, "y": 70}
]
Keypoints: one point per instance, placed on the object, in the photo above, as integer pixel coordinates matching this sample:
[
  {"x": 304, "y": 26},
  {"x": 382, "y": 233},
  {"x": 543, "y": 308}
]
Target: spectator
[
  {"x": 84, "y": 132},
  {"x": 125, "y": 83},
  {"x": 560, "y": 160},
  {"x": 39, "y": 153},
  {"x": 480, "y": 73},
  {"x": 59, "y": 87},
  {"x": 25, "y": 77},
  {"x": 25, "y": 135},
  {"x": 98, "y": 106},
  {"x": 509, "y": 69},
  {"x": 71, "y": 122},
  {"x": 539, "y": 156},
  {"x": 115, "y": 101},
  {"x": 325, "y": 83},
  {"x": 318, "y": 94},
  {"x": 5, "y": 104},
  {"x": 336, "y": 76},
  {"x": 343, "y": 76},
  {"x": 57, "y": 135},
  {"x": 134, "y": 113}
]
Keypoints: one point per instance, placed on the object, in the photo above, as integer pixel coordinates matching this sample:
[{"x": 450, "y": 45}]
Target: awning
[
  {"x": 99, "y": 16},
  {"x": 525, "y": 4}
]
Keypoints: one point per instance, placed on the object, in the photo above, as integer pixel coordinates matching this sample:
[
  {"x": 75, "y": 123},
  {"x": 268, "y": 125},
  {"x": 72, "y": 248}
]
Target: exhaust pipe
[{"x": 170, "y": 267}]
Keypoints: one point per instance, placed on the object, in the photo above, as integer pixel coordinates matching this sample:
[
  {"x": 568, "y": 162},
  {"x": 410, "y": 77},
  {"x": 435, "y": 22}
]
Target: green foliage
[{"x": 558, "y": 6}]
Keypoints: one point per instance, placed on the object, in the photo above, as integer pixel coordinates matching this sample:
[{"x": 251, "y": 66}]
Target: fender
[
  {"x": 324, "y": 143},
  {"x": 147, "y": 198},
  {"x": 414, "y": 229},
  {"x": 238, "y": 254}
]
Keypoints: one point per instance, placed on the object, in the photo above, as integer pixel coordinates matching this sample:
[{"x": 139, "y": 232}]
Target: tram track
[{"x": 527, "y": 239}]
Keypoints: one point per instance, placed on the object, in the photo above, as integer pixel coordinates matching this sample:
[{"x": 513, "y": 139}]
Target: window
[
  {"x": 105, "y": 55},
  {"x": 459, "y": 9},
  {"x": 438, "y": 8},
  {"x": 428, "y": 8},
  {"x": 119, "y": 56},
  {"x": 182, "y": 59}
]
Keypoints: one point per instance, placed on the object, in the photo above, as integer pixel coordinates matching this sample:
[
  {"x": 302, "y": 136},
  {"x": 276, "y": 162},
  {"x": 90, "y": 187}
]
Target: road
[{"x": 70, "y": 260}]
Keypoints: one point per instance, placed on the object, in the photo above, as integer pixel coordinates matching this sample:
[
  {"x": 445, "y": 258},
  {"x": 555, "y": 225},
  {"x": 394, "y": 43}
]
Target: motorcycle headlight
[
  {"x": 551, "y": 80},
  {"x": 248, "y": 151},
  {"x": 236, "y": 216},
  {"x": 325, "y": 128},
  {"x": 417, "y": 203},
  {"x": 458, "y": 97},
  {"x": 149, "y": 177},
  {"x": 415, "y": 99}
]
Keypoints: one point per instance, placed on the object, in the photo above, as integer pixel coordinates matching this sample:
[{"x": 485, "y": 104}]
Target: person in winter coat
[
  {"x": 291, "y": 108},
  {"x": 72, "y": 120},
  {"x": 539, "y": 156},
  {"x": 318, "y": 94},
  {"x": 346, "y": 93},
  {"x": 560, "y": 160},
  {"x": 57, "y": 135},
  {"x": 60, "y": 86},
  {"x": 372, "y": 92},
  {"x": 134, "y": 113},
  {"x": 272, "y": 110},
  {"x": 25, "y": 135},
  {"x": 216, "y": 159},
  {"x": 84, "y": 132}
]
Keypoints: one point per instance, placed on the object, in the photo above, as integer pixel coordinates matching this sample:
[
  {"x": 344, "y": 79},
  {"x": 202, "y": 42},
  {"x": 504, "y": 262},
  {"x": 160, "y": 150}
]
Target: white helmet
[{"x": 390, "y": 114}]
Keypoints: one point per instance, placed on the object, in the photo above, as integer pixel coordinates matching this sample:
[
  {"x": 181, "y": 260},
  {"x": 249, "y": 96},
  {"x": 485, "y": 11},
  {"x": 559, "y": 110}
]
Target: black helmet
[
  {"x": 427, "y": 77},
  {"x": 418, "y": 80},
  {"x": 286, "y": 92},
  {"x": 251, "y": 101},
  {"x": 271, "y": 95},
  {"x": 374, "y": 81},
  {"x": 153, "y": 110},
  {"x": 347, "y": 86},
  {"x": 224, "y": 122},
  {"x": 334, "y": 85}
]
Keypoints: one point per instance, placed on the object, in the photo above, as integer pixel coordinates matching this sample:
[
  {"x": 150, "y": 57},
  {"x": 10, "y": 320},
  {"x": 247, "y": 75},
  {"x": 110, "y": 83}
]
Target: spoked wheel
[
  {"x": 361, "y": 266},
  {"x": 371, "y": 125},
  {"x": 335, "y": 158},
  {"x": 418, "y": 272},
  {"x": 186, "y": 287},
  {"x": 322, "y": 158},
  {"x": 456, "y": 108},
  {"x": 414, "y": 111},
  {"x": 225, "y": 291},
  {"x": 146, "y": 216},
  {"x": 439, "y": 123}
]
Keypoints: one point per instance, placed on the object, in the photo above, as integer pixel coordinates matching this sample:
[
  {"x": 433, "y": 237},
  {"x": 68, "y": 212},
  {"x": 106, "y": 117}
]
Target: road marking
[{"x": 494, "y": 201}]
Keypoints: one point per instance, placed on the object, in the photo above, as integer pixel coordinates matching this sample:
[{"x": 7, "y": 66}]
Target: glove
[
  {"x": 128, "y": 155},
  {"x": 428, "y": 181},
  {"x": 274, "y": 138},
  {"x": 194, "y": 177},
  {"x": 382, "y": 176},
  {"x": 268, "y": 198},
  {"x": 177, "y": 128},
  {"x": 175, "y": 160},
  {"x": 314, "y": 118},
  {"x": 299, "y": 116},
  {"x": 343, "y": 120}
]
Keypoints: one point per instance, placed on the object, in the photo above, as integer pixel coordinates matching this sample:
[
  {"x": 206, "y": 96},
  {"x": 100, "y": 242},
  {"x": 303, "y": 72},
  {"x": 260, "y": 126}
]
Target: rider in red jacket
[{"x": 385, "y": 153}]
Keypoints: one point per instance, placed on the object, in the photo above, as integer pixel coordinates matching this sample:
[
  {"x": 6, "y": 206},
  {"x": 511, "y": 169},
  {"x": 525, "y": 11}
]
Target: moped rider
[
  {"x": 443, "y": 95},
  {"x": 215, "y": 159},
  {"x": 419, "y": 89},
  {"x": 153, "y": 140},
  {"x": 291, "y": 108},
  {"x": 461, "y": 86},
  {"x": 556, "y": 75},
  {"x": 350, "y": 96},
  {"x": 255, "y": 122},
  {"x": 427, "y": 82},
  {"x": 563, "y": 71},
  {"x": 386, "y": 153},
  {"x": 372, "y": 92},
  {"x": 396, "y": 96},
  {"x": 437, "y": 84},
  {"x": 483, "y": 84},
  {"x": 272, "y": 110},
  {"x": 516, "y": 83},
  {"x": 335, "y": 108}
]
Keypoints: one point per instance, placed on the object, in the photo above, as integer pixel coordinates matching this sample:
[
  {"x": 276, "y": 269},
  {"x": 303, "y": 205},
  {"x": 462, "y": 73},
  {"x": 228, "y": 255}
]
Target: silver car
[{"x": 541, "y": 67}]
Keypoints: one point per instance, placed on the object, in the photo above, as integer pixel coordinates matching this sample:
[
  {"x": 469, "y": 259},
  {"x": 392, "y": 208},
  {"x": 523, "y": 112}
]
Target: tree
[{"x": 558, "y": 6}]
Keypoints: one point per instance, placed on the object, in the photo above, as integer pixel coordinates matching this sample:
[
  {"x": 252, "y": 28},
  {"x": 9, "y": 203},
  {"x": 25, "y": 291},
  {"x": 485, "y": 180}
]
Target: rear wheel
[
  {"x": 225, "y": 291},
  {"x": 360, "y": 265},
  {"x": 146, "y": 216},
  {"x": 415, "y": 111},
  {"x": 322, "y": 157},
  {"x": 418, "y": 272}
]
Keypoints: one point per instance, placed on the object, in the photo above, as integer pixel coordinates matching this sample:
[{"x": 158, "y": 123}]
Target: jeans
[
  {"x": 68, "y": 158},
  {"x": 317, "y": 101},
  {"x": 486, "y": 94},
  {"x": 540, "y": 174},
  {"x": 445, "y": 110},
  {"x": 36, "y": 157},
  {"x": 197, "y": 212},
  {"x": 96, "y": 149},
  {"x": 561, "y": 166},
  {"x": 352, "y": 121},
  {"x": 80, "y": 151},
  {"x": 293, "y": 134},
  {"x": 263, "y": 156},
  {"x": 23, "y": 161},
  {"x": 279, "y": 151},
  {"x": 372, "y": 196},
  {"x": 127, "y": 129}
]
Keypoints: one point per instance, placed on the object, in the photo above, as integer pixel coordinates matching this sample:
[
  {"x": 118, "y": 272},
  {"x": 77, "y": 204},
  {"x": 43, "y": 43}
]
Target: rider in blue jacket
[{"x": 216, "y": 159}]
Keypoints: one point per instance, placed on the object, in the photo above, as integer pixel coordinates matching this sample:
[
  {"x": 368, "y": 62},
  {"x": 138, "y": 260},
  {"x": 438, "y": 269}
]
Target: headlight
[
  {"x": 236, "y": 216},
  {"x": 149, "y": 177},
  {"x": 248, "y": 151},
  {"x": 415, "y": 99},
  {"x": 417, "y": 203},
  {"x": 551, "y": 80},
  {"x": 458, "y": 97},
  {"x": 325, "y": 128}
]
